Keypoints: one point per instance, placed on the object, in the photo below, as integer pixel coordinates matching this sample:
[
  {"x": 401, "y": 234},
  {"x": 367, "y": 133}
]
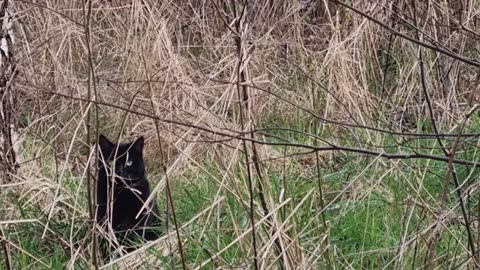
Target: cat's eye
[{"x": 128, "y": 163}]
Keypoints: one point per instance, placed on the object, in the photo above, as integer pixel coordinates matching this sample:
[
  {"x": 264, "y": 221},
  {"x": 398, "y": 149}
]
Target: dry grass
[{"x": 191, "y": 76}]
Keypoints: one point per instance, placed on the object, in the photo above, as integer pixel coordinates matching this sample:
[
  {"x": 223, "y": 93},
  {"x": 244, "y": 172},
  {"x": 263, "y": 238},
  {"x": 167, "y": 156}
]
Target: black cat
[{"x": 121, "y": 195}]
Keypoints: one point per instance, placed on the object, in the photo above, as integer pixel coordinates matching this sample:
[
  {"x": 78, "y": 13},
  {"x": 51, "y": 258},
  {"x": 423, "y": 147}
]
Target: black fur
[{"x": 120, "y": 198}]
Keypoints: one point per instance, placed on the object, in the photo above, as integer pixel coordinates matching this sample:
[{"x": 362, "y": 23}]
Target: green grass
[
  {"x": 366, "y": 222},
  {"x": 365, "y": 225}
]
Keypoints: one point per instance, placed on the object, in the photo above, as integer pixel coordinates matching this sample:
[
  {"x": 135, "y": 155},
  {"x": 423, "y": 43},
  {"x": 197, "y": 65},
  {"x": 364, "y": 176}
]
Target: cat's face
[{"x": 125, "y": 158}]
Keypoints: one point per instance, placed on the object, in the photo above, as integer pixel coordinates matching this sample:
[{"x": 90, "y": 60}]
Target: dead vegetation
[{"x": 307, "y": 134}]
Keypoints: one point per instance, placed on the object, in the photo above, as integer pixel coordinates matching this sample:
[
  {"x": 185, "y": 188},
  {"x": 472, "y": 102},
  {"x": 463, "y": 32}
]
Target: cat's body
[{"x": 120, "y": 198}]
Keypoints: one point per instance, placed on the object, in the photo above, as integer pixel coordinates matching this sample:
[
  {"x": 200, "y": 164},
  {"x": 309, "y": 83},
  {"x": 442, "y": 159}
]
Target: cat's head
[{"x": 125, "y": 157}]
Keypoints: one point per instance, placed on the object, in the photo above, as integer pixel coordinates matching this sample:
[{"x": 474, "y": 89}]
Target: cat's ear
[
  {"x": 106, "y": 146},
  {"x": 138, "y": 143}
]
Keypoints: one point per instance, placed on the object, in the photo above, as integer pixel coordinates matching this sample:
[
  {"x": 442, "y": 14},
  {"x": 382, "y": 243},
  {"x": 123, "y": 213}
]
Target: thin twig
[
  {"x": 164, "y": 168},
  {"x": 240, "y": 135},
  {"x": 91, "y": 80},
  {"x": 450, "y": 154},
  {"x": 395, "y": 32},
  {"x": 240, "y": 30}
]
